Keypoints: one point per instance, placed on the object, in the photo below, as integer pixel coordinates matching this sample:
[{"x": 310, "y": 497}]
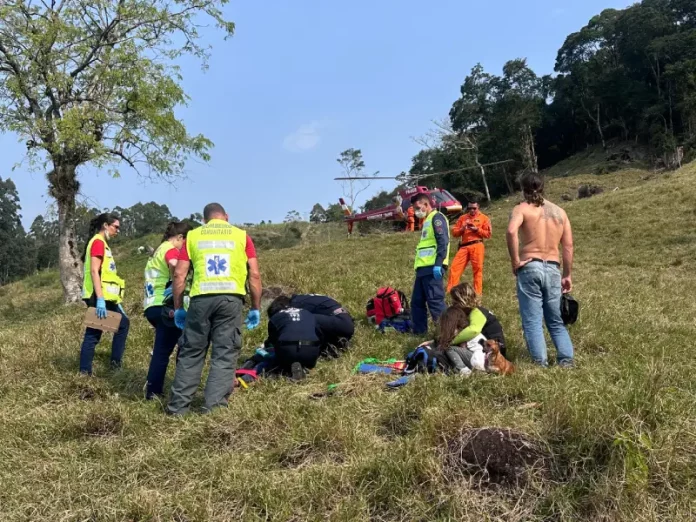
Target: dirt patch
[
  {"x": 587, "y": 191},
  {"x": 85, "y": 392},
  {"x": 221, "y": 437},
  {"x": 496, "y": 457},
  {"x": 103, "y": 425},
  {"x": 305, "y": 454}
]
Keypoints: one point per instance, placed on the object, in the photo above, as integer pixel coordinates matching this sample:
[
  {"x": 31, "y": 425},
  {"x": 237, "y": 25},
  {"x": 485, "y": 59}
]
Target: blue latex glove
[
  {"x": 180, "y": 318},
  {"x": 437, "y": 273},
  {"x": 123, "y": 312},
  {"x": 101, "y": 308},
  {"x": 253, "y": 319},
  {"x": 168, "y": 291}
]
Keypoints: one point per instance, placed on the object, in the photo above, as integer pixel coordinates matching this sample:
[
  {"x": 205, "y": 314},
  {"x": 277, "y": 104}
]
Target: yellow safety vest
[
  {"x": 217, "y": 251},
  {"x": 426, "y": 251},
  {"x": 157, "y": 276},
  {"x": 112, "y": 285}
]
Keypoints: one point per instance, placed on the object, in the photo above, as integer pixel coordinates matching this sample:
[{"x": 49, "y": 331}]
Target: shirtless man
[{"x": 537, "y": 266}]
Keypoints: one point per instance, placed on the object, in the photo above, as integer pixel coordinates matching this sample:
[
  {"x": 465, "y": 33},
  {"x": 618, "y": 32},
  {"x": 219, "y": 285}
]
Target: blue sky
[{"x": 301, "y": 81}]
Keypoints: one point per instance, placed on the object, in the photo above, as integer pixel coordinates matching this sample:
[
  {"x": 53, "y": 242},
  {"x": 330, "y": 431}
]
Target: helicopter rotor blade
[
  {"x": 365, "y": 177},
  {"x": 421, "y": 175}
]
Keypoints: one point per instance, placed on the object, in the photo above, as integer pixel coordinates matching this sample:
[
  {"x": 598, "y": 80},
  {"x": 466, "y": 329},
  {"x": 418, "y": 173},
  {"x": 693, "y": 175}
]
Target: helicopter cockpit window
[{"x": 440, "y": 197}]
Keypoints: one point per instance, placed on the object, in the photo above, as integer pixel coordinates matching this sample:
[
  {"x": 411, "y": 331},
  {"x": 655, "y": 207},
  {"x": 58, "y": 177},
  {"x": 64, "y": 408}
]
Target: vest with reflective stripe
[
  {"x": 156, "y": 276},
  {"x": 217, "y": 251},
  {"x": 112, "y": 285},
  {"x": 426, "y": 251}
]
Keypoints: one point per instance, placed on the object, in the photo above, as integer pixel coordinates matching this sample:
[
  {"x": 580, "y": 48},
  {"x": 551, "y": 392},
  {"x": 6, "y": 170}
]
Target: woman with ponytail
[
  {"x": 102, "y": 289},
  {"x": 158, "y": 279}
]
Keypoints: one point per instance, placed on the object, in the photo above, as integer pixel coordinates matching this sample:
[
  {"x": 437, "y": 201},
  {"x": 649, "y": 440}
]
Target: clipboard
[{"x": 110, "y": 323}]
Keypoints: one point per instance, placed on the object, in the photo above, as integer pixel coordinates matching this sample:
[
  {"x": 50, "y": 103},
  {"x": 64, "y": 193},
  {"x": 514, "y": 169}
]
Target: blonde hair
[{"x": 465, "y": 297}]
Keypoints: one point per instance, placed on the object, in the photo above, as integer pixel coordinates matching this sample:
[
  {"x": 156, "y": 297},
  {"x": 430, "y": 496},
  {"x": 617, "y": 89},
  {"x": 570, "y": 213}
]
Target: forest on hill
[{"x": 625, "y": 82}]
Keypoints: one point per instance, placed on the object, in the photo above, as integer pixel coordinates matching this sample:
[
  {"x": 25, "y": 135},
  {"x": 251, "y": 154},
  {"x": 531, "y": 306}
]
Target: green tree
[
  {"x": 16, "y": 252},
  {"x": 44, "y": 236},
  {"x": 317, "y": 214},
  {"x": 96, "y": 83},
  {"x": 334, "y": 213},
  {"x": 292, "y": 217}
]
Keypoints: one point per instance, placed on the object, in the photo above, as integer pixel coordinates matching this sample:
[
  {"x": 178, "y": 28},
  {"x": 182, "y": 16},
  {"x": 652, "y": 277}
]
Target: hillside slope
[{"x": 620, "y": 429}]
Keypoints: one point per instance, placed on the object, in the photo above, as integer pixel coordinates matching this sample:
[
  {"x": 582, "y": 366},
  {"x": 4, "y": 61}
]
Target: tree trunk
[
  {"x": 483, "y": 176},
  {"x": 598, "y": 121},
  {"x": 64, "y": 188}
]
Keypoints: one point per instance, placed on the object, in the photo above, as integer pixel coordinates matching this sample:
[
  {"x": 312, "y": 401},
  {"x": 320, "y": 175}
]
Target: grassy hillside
[{"x": 619, "y": 431}]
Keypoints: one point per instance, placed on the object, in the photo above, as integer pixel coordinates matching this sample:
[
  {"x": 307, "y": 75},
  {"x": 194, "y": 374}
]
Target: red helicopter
[{"x": 439, "y": 198}]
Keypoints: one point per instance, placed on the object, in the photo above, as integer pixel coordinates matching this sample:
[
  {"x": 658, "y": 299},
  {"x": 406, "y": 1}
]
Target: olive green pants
[{"x": 216, "y": 320}]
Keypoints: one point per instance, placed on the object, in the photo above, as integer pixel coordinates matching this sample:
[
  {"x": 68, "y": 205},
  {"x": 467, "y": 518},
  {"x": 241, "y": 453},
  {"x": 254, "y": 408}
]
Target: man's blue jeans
[{"x": 539, "y": 295}]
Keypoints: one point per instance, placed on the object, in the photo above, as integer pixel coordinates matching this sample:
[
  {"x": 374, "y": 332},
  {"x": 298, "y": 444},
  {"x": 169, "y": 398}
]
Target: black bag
[{"x": 570, "y": 309}]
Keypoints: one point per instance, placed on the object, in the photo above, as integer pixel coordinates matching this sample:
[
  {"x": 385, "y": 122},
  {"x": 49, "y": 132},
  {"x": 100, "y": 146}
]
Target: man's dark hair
[
  {"x": 533, "y": 188},
  {"x": 212, "y": 209},
  {"x": 280, "y": 303},
  {"x": 421, "y": 197},
  {"x": 474, "y": 200}
]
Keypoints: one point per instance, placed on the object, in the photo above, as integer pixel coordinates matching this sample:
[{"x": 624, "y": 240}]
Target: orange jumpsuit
[
  {"x": 471, "y": 249},
  {"x": 410, "y": 219}
]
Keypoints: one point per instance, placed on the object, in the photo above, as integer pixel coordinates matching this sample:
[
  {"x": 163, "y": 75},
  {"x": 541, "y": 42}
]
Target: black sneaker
[{"x": 297, "y": 371}]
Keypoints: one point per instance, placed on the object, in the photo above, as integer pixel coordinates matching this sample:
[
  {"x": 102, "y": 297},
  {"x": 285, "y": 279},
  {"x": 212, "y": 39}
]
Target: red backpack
[{"x": 387, "y": 304}]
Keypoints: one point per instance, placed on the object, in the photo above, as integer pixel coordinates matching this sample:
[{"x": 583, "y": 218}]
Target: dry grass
[{"x": 620, "y": 429}]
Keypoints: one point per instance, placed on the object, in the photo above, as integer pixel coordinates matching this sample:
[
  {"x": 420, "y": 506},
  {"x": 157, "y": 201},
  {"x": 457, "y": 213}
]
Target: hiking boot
[
  {"x": 297, "y": 371},
  {"x": 116, "y": 366},
  {"x": 567, "y": 364}
]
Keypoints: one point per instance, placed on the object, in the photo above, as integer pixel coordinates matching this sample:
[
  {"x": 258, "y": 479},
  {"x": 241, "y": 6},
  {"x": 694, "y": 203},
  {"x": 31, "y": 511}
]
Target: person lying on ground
[
  {"x": 294, "y": 335},
  {"x": 334, "y": 323}
]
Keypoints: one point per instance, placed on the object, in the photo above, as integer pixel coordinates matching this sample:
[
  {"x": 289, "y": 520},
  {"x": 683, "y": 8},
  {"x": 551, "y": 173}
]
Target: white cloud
[{"x": 306, "y": 137}]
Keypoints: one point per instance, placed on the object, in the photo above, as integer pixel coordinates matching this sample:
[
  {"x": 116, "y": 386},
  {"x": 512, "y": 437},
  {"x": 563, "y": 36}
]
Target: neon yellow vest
[
  {"x": 157, "y": 276},
  {"x": 426, "y": 251},
  {"x": 217, "y": 251},
  {"x": 112, "y": 285}
]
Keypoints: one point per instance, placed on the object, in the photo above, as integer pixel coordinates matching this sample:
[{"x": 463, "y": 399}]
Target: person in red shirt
[
  {"x": 97, "y": 255},
  {"x": 473, "y": 227},
  {"x": 158, "y": 304}
]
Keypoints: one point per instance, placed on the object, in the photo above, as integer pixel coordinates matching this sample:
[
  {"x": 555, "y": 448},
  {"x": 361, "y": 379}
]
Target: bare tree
[
  {"x": 355, "y": 182},
  {"x": 443, "y": 137}
]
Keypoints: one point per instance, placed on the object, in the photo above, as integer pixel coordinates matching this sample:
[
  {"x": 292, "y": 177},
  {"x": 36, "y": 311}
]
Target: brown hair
[
  {"x": 176, "y": 228},
  {"x": 453, "y": 321},
  {"x": 533, "y": 188},
  {"x": 465, "y": 297}
]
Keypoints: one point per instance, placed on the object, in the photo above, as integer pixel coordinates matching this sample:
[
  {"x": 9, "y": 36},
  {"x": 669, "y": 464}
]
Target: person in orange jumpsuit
[
  {"x": 410, "y": 219},
  {"x": 473, "y": 227}
]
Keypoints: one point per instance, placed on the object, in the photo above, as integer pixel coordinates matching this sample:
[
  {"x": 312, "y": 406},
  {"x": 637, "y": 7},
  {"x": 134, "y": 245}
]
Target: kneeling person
[
  {"x": 334, "y": 323},
  {"x": 294, "y": 335}
]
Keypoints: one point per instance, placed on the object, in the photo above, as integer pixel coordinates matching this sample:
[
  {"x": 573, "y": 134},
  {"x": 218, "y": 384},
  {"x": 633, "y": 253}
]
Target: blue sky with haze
[{"x": 301, "y": 81}]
